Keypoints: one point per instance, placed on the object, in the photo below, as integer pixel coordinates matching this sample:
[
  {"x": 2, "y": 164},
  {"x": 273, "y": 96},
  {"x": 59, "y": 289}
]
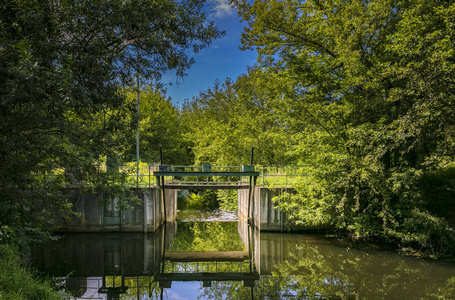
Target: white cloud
[{"x": 220, "y": 9}]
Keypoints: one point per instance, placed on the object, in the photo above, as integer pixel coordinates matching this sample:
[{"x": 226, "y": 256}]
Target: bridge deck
[
  {"x": 205, "y": 174},
  {"x": 206, "y": 256},
  {"x": 219, "y": 186}
]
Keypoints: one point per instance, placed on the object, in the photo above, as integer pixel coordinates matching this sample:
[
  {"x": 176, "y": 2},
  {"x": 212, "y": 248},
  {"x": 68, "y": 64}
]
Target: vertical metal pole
[
  {"x": 145, "y": 199},
  {"x": 161, "y": 154},
  {"x": 249, "y": 189},
  {"x": 162, "y": 185},
  {"x": 263, "y": 170},
  {"x": 251, "y": 158},
  {"x": 281, "y": 214},
  {"x": 164, "y": 199},
  {"x": 160, "y": 200},
  {"x": 137, "y": 134},
  {"x": 253, "y": 186},
  {"x": 164, "y": 247},
  {"x": 249, "y": 202},
  {"x": 250, "y": 249}
]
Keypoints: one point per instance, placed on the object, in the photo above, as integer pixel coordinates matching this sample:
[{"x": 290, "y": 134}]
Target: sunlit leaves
[{"x": 373, "y": 93}]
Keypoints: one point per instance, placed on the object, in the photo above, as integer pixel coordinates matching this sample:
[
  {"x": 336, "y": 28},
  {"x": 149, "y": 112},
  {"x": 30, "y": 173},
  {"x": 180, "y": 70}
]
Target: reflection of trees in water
[
  {"x": 139, "y": 285},
  {"x": 347, "y": 273},
  {"x": 291, "y": 266},
  {"x": 225, "y": 290},
  {"x": 207, "y": 236},
  {"x": 314, "y": 271},
  {"x": 308, "y": 268}
]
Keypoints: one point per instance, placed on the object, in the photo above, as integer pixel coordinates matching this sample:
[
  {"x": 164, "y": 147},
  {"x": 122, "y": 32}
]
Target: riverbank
[{"x": 17, "y": 281}]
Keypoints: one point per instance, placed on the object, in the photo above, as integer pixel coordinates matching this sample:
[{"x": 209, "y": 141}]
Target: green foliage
[
  {"x": 159, "y": 125},
  {"x": 63, "y": 67},
  {"x": 19, "y": 282},
  {"x": 366, "y": 90},
  {"x": 314, "y": 267},
  {"x": 228, "y": 199},
  {"x": 111, "y": 185},
  {"x": 23, "y": 236},
  {"x": 212, "y": 199},
  {"x": 207, "y": 200},
  {"x": 222, "y": 124},
  {"x": 207, "y": 236}
]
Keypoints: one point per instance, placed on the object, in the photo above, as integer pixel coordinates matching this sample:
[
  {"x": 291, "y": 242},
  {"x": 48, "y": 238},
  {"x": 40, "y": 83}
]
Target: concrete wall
[
  {"x": 266, "y": 215},
  {"x": 93, "y": 216}
]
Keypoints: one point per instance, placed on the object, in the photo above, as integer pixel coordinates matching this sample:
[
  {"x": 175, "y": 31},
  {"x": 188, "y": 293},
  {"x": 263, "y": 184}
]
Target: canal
[{"x": 196, "y": 258}]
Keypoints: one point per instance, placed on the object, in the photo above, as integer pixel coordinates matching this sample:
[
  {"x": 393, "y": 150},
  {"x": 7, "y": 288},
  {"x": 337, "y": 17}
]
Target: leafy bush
[
  {"x": 370, "y": 202},
  {"x": 228, "y": 199},
  {"x": 19, "y": 282},
  {"x": 205, "y": 201}
]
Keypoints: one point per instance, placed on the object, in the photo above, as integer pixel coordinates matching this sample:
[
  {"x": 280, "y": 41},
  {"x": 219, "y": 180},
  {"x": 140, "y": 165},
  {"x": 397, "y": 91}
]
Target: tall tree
[
  {"x": 62, "y": 66},
  {"x": 159, "y": 125},
  {"x": 223, "y": 123},
  {"x": 373, "y": 82}
]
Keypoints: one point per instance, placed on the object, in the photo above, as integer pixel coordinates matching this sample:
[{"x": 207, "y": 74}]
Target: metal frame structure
[{"x": 247, "y": 170}]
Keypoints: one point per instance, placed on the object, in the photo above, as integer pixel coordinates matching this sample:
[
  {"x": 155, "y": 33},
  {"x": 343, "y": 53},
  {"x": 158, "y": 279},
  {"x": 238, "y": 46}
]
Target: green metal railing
[{"x": 276, "y": 175}]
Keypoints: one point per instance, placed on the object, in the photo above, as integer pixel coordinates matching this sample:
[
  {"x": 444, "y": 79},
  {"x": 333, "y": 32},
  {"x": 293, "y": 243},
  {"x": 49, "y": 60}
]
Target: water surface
[
  {"x": 228, "y": 260},
  {"x": 196, "y": 215}
]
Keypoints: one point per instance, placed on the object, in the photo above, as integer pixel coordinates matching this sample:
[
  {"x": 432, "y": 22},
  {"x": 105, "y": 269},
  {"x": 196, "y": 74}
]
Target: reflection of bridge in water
[
  {"x": 208, "y": 266},
  {"x": 144, "y": 266},
  {"x": 105, "y": 266}
]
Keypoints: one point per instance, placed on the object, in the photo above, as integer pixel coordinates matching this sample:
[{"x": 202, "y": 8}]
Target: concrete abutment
[
  {"x": 92, "y": 215},
  {"x": 148, "y": 214}
]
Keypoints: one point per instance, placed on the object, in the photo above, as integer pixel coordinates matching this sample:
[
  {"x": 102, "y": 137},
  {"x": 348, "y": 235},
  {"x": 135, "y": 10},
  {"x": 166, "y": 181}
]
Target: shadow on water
[{"x": 229, "y": 260}]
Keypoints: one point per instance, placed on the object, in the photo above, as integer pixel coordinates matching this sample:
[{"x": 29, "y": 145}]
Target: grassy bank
[{"x": 17, "y": 281}]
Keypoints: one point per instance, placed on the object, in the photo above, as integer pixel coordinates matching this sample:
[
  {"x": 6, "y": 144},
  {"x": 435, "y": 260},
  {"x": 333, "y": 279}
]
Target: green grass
[{"x": 20, "y": 282}]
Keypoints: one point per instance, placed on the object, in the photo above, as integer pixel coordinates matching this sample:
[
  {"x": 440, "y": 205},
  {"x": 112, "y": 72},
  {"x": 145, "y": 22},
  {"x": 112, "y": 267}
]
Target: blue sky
[{"x": 221, "y": 59}]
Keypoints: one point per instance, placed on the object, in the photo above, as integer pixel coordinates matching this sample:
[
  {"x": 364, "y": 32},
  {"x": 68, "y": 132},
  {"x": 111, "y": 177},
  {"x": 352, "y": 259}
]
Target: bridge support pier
[{"x": 258, "y": 209}]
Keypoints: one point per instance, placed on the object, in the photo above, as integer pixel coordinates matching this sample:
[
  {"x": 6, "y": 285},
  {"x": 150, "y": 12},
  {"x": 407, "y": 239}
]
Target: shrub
[{"x": 19, "y": 282}]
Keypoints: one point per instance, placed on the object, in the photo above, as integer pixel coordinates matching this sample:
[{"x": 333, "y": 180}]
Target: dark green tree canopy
[{"x": 62, "y": 66}]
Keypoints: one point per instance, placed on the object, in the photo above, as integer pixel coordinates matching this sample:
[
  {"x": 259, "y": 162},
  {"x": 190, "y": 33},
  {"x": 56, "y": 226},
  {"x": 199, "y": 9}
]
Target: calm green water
[{"x": 228, "y": 260}]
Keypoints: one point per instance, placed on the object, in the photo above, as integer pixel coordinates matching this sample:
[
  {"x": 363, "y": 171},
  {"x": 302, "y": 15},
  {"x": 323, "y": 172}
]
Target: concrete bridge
[
  {"x": 158, "y": 204},
  {"x": 148, "y": 214}
]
